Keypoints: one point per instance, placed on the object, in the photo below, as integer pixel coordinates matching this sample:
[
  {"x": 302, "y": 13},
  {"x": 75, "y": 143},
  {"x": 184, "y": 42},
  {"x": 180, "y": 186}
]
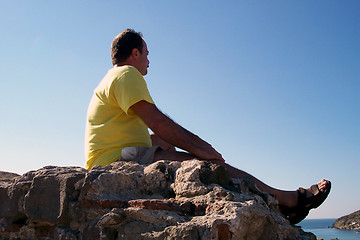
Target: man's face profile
[{"x": 143, "y": 61}]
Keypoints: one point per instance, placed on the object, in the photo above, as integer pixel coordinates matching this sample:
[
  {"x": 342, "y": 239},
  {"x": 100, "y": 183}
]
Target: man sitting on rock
[{"x": 121, "y": 111}]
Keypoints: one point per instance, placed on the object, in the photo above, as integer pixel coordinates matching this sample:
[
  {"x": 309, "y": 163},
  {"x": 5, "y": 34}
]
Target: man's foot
[{"x": 308, "y": 199}]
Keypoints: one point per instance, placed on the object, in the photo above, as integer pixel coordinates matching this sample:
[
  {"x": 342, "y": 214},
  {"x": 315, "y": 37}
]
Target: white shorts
[{"x": 141, "y": 155}]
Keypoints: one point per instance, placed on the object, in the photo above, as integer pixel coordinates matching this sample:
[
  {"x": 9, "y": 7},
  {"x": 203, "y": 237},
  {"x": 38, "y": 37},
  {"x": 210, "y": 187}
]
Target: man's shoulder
[
  {"x": 125, "y": 71},
  {"x": 121, "y": 74},
  {"x": 123, "y": 77},
  {"x": 127, "y": 75}
]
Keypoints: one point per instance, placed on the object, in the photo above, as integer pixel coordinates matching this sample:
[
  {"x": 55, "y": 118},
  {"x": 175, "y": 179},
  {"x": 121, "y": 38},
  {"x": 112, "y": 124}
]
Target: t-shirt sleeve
[{"x": 131, "y": 88}]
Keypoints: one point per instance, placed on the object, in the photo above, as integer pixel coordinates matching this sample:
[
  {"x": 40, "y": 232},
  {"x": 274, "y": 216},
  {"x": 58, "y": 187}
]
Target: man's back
[{"x": 111, "y": 123}]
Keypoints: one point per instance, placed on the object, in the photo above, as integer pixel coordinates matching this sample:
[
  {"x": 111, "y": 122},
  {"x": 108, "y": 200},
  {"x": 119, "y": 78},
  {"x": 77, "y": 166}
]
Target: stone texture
[{"x": 164, "y": 200}]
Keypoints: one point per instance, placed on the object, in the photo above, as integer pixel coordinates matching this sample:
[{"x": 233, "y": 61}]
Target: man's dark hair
[{"x": 124, "y": 43}]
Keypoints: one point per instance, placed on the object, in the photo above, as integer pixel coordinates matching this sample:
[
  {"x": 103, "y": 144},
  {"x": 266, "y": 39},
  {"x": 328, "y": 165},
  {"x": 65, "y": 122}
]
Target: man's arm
[{"x": 173, "y": 133}]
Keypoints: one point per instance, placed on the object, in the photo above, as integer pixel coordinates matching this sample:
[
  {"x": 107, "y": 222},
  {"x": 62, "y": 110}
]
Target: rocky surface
[
  {"x": 351, "y": 222},
  {"x": 164, "y": 200}
]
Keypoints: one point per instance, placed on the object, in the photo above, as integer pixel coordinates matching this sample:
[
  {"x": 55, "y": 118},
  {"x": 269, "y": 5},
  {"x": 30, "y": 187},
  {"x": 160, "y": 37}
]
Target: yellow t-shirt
[{"x": 111, "y": 124}]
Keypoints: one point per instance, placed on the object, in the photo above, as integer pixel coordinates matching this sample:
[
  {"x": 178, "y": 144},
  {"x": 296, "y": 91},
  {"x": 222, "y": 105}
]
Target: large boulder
[{"x": 164, "y": 200}]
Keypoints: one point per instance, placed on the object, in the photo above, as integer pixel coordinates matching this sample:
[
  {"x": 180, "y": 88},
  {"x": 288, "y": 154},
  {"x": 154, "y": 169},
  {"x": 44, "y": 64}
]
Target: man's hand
[{"x": 208, "y": 153}]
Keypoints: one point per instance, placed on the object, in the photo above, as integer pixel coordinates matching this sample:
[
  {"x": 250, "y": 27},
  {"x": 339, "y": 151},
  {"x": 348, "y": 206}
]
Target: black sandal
[{"x": 307, "y": 200}]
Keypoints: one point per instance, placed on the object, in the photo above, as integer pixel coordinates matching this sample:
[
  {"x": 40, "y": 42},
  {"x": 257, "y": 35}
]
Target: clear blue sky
[{"x": 272, "y": 85}]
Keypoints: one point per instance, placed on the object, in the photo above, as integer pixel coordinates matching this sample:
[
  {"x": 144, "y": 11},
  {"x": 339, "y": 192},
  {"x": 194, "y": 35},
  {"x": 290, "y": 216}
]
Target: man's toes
[{"x": 322, "y": 185}]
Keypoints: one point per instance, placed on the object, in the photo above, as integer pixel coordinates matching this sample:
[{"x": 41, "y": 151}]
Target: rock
[
  {"x": 7, "y": 177},
  {"x": 125, "y": 200},
  {"x": 52, "y": 188},
  {"x": 350, "y": 222}
]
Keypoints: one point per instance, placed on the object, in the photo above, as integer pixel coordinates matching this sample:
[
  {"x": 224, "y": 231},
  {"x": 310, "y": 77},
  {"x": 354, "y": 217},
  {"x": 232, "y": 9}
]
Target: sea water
[{"x": 322, "y": 229}]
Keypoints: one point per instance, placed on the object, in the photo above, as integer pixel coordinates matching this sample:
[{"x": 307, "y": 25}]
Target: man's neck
[{"x": 124, "y": 63}]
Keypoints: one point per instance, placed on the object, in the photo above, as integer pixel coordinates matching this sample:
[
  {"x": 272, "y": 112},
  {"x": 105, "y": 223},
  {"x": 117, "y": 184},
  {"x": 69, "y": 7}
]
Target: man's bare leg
[{"x": 286, "y": 199}]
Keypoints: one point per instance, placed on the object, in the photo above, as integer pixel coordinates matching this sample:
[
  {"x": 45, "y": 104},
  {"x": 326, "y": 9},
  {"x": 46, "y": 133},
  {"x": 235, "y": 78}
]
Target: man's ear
[{"x": 135, "y": 52}]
